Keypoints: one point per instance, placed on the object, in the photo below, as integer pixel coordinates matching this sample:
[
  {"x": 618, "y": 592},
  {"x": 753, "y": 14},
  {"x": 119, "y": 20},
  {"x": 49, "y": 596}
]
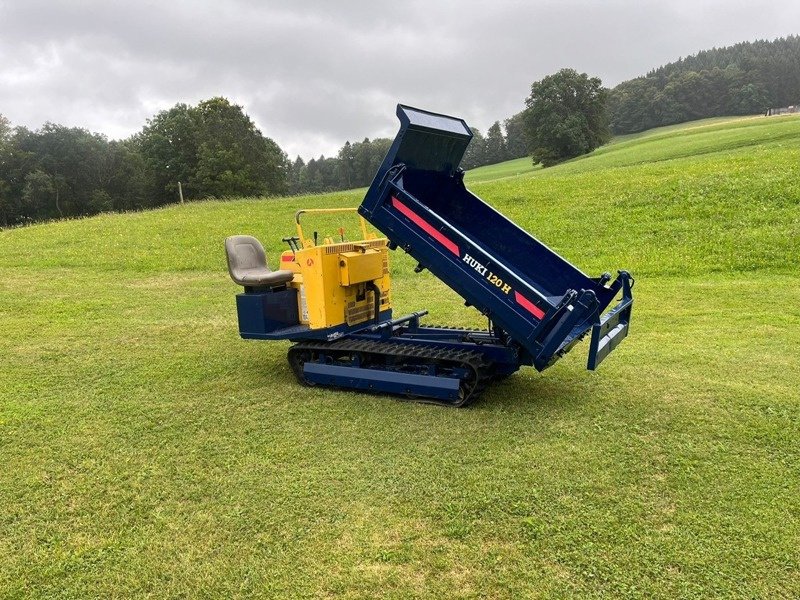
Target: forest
[
  {"x": 743, "y": 79},
  {"x": 215, "y": 150}
]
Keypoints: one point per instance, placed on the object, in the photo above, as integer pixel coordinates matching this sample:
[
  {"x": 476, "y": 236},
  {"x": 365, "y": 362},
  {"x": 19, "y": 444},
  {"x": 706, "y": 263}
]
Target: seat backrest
[{"x": 245, "y": 253}]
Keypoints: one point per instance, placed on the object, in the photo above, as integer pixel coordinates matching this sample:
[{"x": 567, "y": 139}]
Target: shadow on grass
[
  {"x": 528, "y": 391},
  {"x": 524, "y": 392}
]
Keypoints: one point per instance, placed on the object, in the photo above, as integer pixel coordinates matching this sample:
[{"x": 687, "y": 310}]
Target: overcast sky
[{"x": 313, "y": 74}]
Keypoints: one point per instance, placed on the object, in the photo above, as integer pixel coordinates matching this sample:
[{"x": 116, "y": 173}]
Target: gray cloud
[{"x": 315, "y": 73}]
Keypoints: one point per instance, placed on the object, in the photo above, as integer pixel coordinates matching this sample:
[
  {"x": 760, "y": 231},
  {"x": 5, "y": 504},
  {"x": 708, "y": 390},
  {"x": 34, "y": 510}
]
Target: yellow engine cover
[
  {"x": 334, "y": 281},
  {"x": 360, "y": 267}
]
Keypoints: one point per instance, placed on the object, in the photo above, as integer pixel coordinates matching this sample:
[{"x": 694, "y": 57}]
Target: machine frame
[{"x": 537, "y": 304}]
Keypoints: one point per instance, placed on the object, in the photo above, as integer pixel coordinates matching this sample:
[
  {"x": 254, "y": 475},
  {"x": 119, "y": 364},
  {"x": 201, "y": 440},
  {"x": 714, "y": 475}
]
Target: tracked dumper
[{"x": 333, "y": 297}]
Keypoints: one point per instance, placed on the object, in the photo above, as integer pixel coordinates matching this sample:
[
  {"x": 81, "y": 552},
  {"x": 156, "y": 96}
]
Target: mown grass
[
  {"x": 145, "y": 450},
  {"x": 510, "y": 168}
]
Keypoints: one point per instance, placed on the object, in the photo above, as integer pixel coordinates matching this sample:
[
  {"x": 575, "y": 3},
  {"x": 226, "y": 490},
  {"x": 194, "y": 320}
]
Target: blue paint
[
  {"x": 391, "y": 382},
  {"x": 420, "y": 175}
]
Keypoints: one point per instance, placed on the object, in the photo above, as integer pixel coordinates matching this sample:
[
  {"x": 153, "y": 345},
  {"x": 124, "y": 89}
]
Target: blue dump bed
[{"x": 419, "y": 201}]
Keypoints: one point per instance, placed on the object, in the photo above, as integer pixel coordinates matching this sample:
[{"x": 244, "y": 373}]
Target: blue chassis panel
[
  {"x": 373, "y": 380},
  {"x": 298, "y": 333}
]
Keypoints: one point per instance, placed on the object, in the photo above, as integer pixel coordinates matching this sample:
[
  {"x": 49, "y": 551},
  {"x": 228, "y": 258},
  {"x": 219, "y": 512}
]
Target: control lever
[{"x": 293, "y": 245}]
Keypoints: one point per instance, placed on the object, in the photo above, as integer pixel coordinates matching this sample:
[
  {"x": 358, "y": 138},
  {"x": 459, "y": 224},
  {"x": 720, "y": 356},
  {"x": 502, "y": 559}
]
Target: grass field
[{"x": 147, "y": 451}]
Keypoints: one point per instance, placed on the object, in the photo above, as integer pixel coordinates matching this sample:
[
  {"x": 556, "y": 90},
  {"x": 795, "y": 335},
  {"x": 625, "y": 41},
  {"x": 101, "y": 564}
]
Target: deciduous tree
[
  {"x": 214, "y": 149},
  {"x": 566, "y": 116}
]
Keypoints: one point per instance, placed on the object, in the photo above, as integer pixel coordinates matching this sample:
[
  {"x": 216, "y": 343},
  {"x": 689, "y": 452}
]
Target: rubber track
[{"x": 471, "y": 387}]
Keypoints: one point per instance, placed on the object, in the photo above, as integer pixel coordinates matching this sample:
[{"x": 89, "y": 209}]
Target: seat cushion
[
  {"x": 247, "y": 263},
  {"x": 263, "y": 277}
]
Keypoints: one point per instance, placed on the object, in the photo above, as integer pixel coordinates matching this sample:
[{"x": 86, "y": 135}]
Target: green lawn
[
  {"x": 147, "y": 451},
  {"x": 511, "y": 168}
]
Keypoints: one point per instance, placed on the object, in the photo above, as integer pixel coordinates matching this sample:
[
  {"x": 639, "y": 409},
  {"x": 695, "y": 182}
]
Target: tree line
[
  {"x": 746, "y": 78},
  {"x": 356, "y": 163},
  {"x": 568, "y": 114},
  {"x": 215, "y": 150}
]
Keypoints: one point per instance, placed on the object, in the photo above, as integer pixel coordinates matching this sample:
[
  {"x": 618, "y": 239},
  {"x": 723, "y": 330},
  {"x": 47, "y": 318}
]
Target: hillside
[
  {"x": 746, "y": 78},
  {"x": 146, "y": 450}
]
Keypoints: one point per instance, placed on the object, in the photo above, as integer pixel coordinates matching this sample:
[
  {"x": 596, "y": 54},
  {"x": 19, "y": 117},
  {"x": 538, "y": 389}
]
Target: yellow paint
[
  {"x": 289, "y": 265},
  {"x": 363, "y": 265},
  {"x": 330, "y": 299},
  {"x": 331, "y": 278}
]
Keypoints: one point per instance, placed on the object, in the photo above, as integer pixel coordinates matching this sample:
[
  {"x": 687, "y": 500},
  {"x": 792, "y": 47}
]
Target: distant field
[
  {"x": 511, "y": 168},
  {"x": 147, "y": 451}
]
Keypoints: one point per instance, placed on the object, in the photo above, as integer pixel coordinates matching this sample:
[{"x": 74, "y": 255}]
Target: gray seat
[{"x": 247, "y": 263}]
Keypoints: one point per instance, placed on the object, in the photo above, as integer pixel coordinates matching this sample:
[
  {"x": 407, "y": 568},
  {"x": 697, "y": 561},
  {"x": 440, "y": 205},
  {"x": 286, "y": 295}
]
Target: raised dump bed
[{"x": 419, "y": 201}]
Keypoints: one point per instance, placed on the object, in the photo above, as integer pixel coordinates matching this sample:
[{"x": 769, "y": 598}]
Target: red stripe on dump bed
[
  {"x": 528, "y": 305},
  {"x": 426, "y": 227},
  {"x": 287, "y": 258}
]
